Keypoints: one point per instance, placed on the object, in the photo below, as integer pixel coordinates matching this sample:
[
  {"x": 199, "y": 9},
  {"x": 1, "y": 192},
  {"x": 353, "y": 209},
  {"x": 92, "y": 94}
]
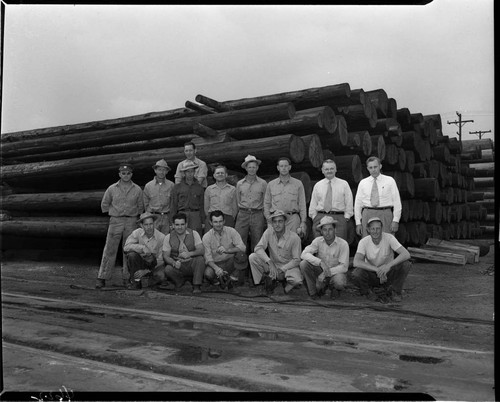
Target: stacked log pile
[{"x": 53, "y": 178}]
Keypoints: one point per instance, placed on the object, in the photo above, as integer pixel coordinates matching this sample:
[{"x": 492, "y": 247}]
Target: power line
[
  {"x": 479, "y": 133},
  {"x": 460, "y": 123}
]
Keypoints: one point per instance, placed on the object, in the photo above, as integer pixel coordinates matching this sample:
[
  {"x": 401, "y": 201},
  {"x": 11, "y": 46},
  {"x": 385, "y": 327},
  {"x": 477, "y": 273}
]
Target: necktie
[
  {"x": 374, "y": 195},
  {"x": 328, "y": 198}
]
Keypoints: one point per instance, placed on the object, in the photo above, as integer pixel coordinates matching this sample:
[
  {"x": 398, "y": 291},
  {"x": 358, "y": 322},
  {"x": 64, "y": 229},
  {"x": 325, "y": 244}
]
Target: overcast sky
[{"x": 73, "y": 64}]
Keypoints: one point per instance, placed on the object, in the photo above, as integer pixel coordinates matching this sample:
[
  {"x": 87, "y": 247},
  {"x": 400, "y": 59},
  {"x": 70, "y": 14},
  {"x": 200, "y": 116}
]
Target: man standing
[
  {"x": 377, "y": 195},
  {"x": 183, "y": 255},
  {"x": 224, "y": 250},
  {"x": 143, "y": 250},
  {"x": 123, "y": 202},
  {"x": 375, "y": 264},
  {"x": 326, "y": 259},
  {"x": 250, "y": 193},
  {"x": 281, "y": 263},
  {"x": 187, "y": 197},
  {"x": 287, "y": 194},
  {"x": 157, "y": 196},
  {"x": 201, "y": 171},
  {"x": 331, "y": 196},
  {"x": 220, "y": 196}
]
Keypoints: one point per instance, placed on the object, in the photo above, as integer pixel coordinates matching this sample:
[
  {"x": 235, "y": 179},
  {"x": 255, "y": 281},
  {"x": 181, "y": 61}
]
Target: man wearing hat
[
  {"x": 188, "y": 198},
  {"x": 143, "y": 249},
  {"x": 250, "y": 199},
  {"x": 281, "y": 262},
  {"x": 201, "y": 171},
  {"x": 123, "y": 201},
  {"x": 377, "y": 195},
  {"x": 157, "y": 196},
  {"x": 287, "y": 194},
  {"x": 376, "y": 266},
  {"x": 331, "y": 196},
  {"x": 325, "y": 261},
  {"x": 220, "y": 196}
]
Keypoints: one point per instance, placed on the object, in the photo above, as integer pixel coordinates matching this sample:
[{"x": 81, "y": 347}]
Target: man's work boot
[{"x": 100, "y": 283}]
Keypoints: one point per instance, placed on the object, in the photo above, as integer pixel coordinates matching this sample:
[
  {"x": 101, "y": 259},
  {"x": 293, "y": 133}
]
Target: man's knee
[
  {"x": 305, "y": 266},
  {"x": 339, "y": 281},
  {"x": 133, "y": 256}
]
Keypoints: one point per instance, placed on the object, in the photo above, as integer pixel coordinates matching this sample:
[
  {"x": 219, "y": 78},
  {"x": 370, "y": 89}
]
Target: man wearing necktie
[
  {"x": 377, "y": 196},
  {"x": 331, "y": 196}
]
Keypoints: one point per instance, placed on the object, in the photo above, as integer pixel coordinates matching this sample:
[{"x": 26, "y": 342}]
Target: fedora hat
[
  {"x": 277, "y": 213},
  {"x": 186, "y": 165},
  {"x": 161, "y": 163},
  {"x": 326, "y": 220},
  {"x": 146, "y": 215},
  {"x": 250, "y": 158}
]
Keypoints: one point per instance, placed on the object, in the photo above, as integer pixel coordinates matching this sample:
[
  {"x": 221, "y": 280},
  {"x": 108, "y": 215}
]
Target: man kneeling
[
  {"x": 282, "y": 263},
  {"x": 376, "y": 266},
  {"x": 224, "y": 252},
  {"x": 325, "y": 261},
  {"x": 183, "y": 254}
]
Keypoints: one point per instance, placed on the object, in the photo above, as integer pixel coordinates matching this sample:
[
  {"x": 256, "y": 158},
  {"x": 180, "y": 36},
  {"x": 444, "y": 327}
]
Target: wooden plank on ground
[
  {"x": 437, "y": 256},
  {"x": 469, "y": 256},
  {"x": 452, "y": 246}
]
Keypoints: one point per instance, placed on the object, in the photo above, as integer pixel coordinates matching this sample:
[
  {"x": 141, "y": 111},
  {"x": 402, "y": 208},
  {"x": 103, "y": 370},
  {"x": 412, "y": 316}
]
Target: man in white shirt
[
  {"x": 377, "y": 195},
  {"x": 201, "y": 171},
  {"x": 376, "y": 266},
  {"x": 331, "y": 196},
  {"x": 326, "y": 259}
]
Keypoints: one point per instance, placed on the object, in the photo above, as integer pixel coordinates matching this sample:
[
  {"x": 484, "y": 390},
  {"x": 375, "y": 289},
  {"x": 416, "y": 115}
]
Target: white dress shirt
[{"x": 342, "y": 200}]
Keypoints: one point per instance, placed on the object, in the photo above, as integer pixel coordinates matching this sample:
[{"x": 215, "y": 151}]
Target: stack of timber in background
[{"x": 53, "y": 178}]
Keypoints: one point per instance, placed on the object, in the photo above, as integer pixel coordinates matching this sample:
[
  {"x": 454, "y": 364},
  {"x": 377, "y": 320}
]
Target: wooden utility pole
[
  {"x": 479, "y": 133},
  {"x": 460, "y": 123}
]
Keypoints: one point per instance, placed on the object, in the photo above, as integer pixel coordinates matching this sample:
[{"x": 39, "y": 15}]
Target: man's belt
[
  {"x": 160, "y": 213},
  {"x": 250, "y": 209},
  {"x": 188, "y": 210},
  {"x": 331, "y": 212},
  {"x": 378, "y": 208}
]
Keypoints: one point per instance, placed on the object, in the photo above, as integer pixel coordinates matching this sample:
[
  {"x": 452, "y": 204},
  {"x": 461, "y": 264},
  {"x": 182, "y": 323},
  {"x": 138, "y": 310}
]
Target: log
[
  {"x": 65, "y": 227},
  {"x": 435, "y": 212},
  {"x": 97, "y": 125},
  {"x": 482, "y": 182},
  {"x": 379, "y": 99},
  {"x": 483, "y": 143},
  {"x": 354, "y": 139},
  {"x": 378, "y": 146},
  {"x": 366, "y": 142},
  {"x": 302, "y": 99},
  {"x": 403, "y": 116},
  {"x": 313, "y": 150},
  {"x": 455, "y": 146},
  {"x": 391, "y": 155},
  {"x": 143, "y": 132},
  {"x": 469, "y": 257},
  {"x": 389, "y": 125},
  {"x": 410, "y": 161},
  {"x": 395, "y": 139},
  {"x": 339, "y": 138},
  {"x": 437, "y": 256},
  {"x": 357, "y": 119},
  {"x": 441, "y": 153},
  {"x": 232, "y": 154},
  {"x": 326, "y": 117},
  {"x": 349, "y": 168},
  {"x": 419, "y": 171},
  {"x": 405, "y": 210},
  {"x": 77, "y": 201},
  {"x": 427, "y": 189},
  {"x": 205, "y": 100},
  {"x": 436, "y": 119},
  {"x": 201, "y": 109},
  {"x": 392, "y": 108},
  {"x": 472, "y": 249}
]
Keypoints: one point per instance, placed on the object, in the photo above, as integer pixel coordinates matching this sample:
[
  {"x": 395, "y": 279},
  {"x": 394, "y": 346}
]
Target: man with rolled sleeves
[
  {"x": 282, "y": 259},
  {"x": 123, "y": 201},
  {"x": 143, "y": 249},
  {"x": 377, "y": 195},
  {"x": 287, "y": 194},
  {"x": 375, "y": 265},
  {"x": 325, "y": 261},
  {"x": 220, "y": 196},
  {"x": 157, "y": 196},
  {"x": 224, "y": 251},
  {"x": 201, "y": 170},
  {"x": 331, "y": 196},
  {"x": 187, "y": 197}
]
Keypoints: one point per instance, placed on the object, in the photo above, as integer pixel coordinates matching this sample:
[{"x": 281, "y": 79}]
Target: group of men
[{"x": 192, "y": 231}]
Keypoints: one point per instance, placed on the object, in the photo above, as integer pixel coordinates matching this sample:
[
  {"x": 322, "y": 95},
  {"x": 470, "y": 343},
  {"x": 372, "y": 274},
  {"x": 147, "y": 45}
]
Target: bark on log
[
  {"x": 482, "y": 182},
  {"x": 231, "y": 155},
  {"x": 77, "y": 201},
  {"x": 404, "y": 119},
  {"x": 435, "y": 212},
  {"x": 442, "y": 153},
  {"x": 483, "y": 144},
  {"x": 313, "y": 150},
  {"x": 366, "y": 143},
  {"x": 379, "y": 99},
  {"x": 205, "y": 100},
  {"x": 302, "y": 99},
  {"x": 436, "y": 119},
  {"x": 201, "y": 109},
  {"x": 357, "y": 118},
  {"x": 410, "y": 161},
  {"x": 349, "y": 168},
  {"x": 427, "y": 189},
  {"x": 392, "y": 108},
  {"x": 143, "y": 132},
  {"x": 378, "y": 146},
  {"x": 325, "y": 115},
  {"x": 391, "y": 155},
  {"x": 97, "y": 125}
]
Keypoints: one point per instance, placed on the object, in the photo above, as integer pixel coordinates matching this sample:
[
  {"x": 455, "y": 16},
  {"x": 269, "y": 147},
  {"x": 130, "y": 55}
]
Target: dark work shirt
[{"x": 187, "y": 197}]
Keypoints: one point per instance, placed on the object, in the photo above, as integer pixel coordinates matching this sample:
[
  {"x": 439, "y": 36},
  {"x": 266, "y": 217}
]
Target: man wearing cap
[
  {"x": 201, "y": 171},
  {"x": 143, "y": 249},
  {"x": 250, "y": 193},
  {"x": 183, "y": 255},
  {"x": 220, "y": 196},
  {"x": 123, "y": 201},
  {"x": 281, "y": 262},
  {"x": 325, "y": 261},
  {"x": 331, "y": 196},
  {"x": 157, "y": 196},
  {"x": 224, "y": 250},
  {"x": 287, "y": 194},
  {"x": 377, "y": 195},
  {"x": 187, "y": 197},
  {"x": 376, "y": 266}
]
